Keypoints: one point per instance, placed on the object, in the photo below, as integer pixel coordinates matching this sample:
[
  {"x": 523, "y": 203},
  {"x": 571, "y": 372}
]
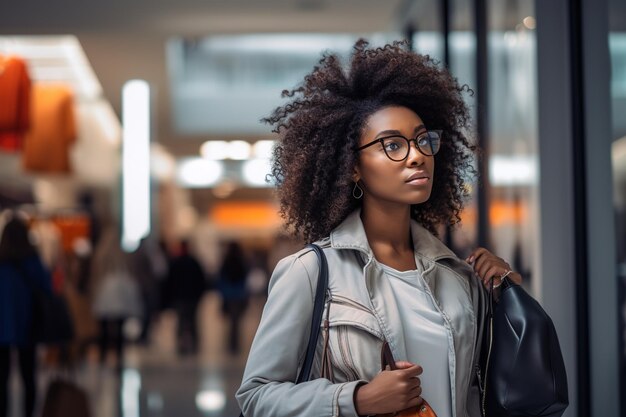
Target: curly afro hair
[{"x": 321, "y": 125}]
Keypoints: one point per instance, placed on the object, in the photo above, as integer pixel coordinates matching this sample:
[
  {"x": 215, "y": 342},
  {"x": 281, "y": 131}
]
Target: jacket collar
[{"x": 350, "y": 234}]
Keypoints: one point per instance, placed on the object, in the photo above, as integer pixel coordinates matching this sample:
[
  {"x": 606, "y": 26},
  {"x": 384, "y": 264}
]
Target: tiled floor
[{"x": 156, "y": 382}]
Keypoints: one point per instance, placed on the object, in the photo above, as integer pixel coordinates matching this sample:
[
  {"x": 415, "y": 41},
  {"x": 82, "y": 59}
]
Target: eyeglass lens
[{"x": 397, "y": 147}]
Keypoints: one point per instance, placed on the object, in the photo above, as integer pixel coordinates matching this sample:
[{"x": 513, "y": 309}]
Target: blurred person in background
[
  {"x": 258, "y": 275},
  {"x": 116, "y": 298},
  {"x": 150, "y": 266},
  {"x": 185, "y": 287},
  {"x": 232, "y": 285},
  {"x": 19, "y": 262}
]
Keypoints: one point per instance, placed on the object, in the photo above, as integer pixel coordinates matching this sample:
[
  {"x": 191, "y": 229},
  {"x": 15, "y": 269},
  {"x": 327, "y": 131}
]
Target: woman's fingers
[
  {"x": 412, "y": 371},
  {"x": 414, "y": 402},
  {"x": 413, "y": 398},
  {"x": 475, "y": 255},
  {"x": 403, "y": 364},
  {"x": 490, "y": 270},
  {"x": 486, "y": 265}
]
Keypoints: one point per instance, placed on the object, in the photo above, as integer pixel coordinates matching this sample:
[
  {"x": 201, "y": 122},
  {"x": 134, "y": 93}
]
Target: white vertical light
[
  {"x": 135, "y": 163},
  {"x": 131, "y": 388}
]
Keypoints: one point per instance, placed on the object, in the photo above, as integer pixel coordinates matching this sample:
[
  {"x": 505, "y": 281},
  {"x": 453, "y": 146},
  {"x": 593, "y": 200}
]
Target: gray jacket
[{"x": 360, "y": 317}]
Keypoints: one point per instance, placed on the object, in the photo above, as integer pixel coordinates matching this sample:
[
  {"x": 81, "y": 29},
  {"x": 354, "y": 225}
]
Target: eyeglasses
[{"x": 397, "y": 147}]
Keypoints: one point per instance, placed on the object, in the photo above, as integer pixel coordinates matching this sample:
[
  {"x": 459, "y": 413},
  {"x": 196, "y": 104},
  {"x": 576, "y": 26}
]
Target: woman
[
  {"x": 116, "y": 296},
  {"x": 372, "y": 159},
  {"x": 20, "y": 270}
]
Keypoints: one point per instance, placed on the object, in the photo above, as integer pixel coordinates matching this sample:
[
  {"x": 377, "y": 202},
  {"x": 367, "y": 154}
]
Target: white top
[{"x": 425, "y": 335}]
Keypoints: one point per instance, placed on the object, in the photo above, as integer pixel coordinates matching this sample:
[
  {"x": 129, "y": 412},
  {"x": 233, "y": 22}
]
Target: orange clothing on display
[
  {"x": 15, "y": 89},
  {"x": 53, "y": 130},
  {"x": 72, "y": 227}
]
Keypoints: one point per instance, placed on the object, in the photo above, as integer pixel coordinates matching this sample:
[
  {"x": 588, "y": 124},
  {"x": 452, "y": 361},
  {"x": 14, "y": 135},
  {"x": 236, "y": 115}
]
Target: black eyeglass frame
[{"x": 408, "y": 141}]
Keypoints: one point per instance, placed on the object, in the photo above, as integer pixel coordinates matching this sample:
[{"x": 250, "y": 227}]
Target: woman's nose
[{"x": 415, "y": 157}]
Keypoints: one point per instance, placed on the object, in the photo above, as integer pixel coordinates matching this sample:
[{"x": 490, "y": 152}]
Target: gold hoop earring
[{"x": 357, "y": 192}]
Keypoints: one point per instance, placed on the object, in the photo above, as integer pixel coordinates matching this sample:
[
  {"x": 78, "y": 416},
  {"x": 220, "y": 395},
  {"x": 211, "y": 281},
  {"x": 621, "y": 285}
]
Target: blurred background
[{"x": 131, "y": 147}]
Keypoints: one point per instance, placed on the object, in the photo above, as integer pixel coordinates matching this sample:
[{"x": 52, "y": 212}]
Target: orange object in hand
[{"x": 423, "y": 410}]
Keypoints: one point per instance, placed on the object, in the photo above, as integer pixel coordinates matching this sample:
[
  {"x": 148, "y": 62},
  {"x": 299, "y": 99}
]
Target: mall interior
[{"x": 138, "y": 159}]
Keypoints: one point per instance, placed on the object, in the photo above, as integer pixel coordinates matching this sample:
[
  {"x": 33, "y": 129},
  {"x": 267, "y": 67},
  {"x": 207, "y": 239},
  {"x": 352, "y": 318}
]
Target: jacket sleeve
[{"x": 278, "y": 349}]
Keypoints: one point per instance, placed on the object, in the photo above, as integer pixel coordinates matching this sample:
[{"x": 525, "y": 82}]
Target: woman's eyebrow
[
  {"x": 419, "y": 128},
  {"x": 397, "y": 132},
  {"x": 389, "y": 132}
]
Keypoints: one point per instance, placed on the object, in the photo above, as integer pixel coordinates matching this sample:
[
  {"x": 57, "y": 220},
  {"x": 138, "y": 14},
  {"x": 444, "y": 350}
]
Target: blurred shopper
[
  {"x": 257, "y": 279},
  {"x": 150, "y": 267},
  {"x": 117, "y": 298},
  {"x": 19, "y": 262},
  {"x": 78, "y": 275},
  {"x": 185, "y": 285},
  {"x": 232, "y": 285}
]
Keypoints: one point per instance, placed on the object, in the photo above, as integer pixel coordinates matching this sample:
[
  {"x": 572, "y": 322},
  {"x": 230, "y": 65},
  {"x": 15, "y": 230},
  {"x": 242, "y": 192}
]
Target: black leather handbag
[{"x": 524, "y": 370}]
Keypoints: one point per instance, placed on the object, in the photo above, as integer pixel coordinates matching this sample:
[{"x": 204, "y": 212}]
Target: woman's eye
[
  {"x": 423, "y": 141},
  {"x": 392, "y": 146}
]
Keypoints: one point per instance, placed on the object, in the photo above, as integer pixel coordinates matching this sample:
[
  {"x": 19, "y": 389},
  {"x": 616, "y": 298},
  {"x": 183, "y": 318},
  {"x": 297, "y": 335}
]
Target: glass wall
[
  {"x": 617, "y": 48},
  {"x": 513, "y": 134},
  {"x": 454, "y": 46},
  {"x": 462, "y": 51},
  {"x": 511, "y": 114}
]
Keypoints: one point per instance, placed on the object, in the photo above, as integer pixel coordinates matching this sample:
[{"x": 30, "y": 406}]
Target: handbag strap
[
  {"x": 506, "y": 283},
  {"x": 318, "y": 310},
  {"x": 386, "y": 357}
]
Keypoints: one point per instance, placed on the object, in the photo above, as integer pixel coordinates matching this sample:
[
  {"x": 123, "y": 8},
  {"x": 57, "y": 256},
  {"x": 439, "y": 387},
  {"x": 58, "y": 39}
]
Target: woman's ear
[{"x": 356, "y": 175}]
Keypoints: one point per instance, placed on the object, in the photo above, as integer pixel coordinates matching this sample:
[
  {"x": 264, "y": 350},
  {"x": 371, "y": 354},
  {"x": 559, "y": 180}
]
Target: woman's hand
[
  {"x": 488, "y": 266},
  {"x": 390, "y": 391}
]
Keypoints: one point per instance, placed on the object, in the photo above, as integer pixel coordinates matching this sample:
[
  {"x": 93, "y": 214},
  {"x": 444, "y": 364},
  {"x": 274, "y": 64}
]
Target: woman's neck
[{"x": 388, "y": 231}]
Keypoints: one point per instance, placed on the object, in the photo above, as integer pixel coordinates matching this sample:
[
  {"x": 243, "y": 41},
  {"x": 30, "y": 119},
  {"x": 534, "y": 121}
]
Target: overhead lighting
[
  {"x": 218, "y": 150},
  {"x": 263, "y": 149},
  {"x": 512, "y": 170},
  {"x": 277, "y": 43},
  {"x": 239, "y": 150},
  {"x": 198, "y": 172},
  {"x": 255, "y": 171},
  {"x": 215, "y": 150},
  {"x": 135, "y": 163}
]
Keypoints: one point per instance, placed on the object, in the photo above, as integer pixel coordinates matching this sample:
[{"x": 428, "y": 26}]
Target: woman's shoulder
[{"x": 299, "y": 268}]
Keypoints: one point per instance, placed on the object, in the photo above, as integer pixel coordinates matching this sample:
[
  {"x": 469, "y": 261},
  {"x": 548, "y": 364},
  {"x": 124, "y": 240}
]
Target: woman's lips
[{"x": 419, "y": 181}]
